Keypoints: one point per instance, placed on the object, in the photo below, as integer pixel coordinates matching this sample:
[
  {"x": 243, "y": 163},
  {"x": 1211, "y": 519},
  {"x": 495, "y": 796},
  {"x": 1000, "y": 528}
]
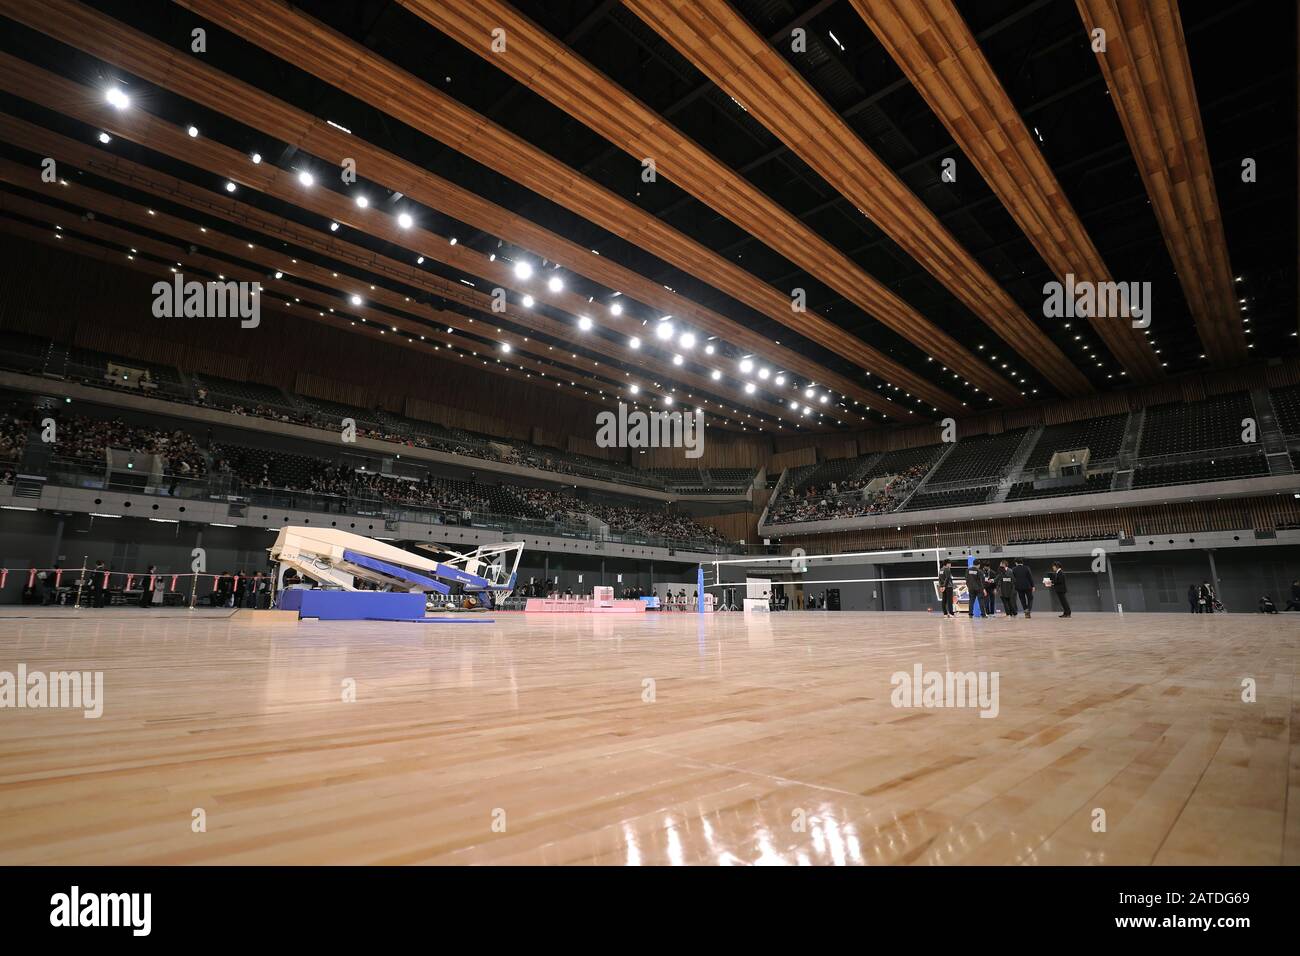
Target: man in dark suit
[
  {"x": 1193, "y": 598},
  {"x": 146, "y": 587},
  {"x": 1023, "y": 579},
  {"x": 1060, "y": 588},
  {"x": 97, "y": 586},
  {"x": 974, "y": 587},
  {"x": 1006, "y": 586},
  {"x": 946, "y": 588},
  {"x": 990, "y": 590}
]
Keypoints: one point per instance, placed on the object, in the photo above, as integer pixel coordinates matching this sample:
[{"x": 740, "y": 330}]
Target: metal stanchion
[
  {"x": 194, "y": 587},
  {"x": 81, "y": 581}
]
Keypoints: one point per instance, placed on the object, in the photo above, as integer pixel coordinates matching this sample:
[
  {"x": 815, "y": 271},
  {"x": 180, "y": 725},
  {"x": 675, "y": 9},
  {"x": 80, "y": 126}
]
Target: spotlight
[
  {"x": 763, "y": 373},
  {"x": 230, "y": 187},
  {"x": 256, "y": 158},
  {"x": 715, "y": 375},
  {"x": 749, "y": 388},
  {"x": 193, "y": 131},
  {"x": 305, "y": 178},
  {"x": 117, "y": 98},
  {"x": 523, "y": 270},
  {"x": 616, "y": 309},
  {"x": 687, "y": 340},
  {"x": 334, "y": 227},
  {"x": 746, "y": 366},
  {"x": 677, "y": 360},
  {"x": 555, "y": 284},
  {"x": 105, "y": 138},
  {"x": 528, "y": 302},
  {"x": 807, "y": 393},
  {"x": 708, "y": 350},
  {"x": 793, "y": 403},
  {"x": 634, "y": 343},
  {"x": 780, "y": 380},
  {"x": 824, "y": 399},
  {"x": 664, "y": 330},
  {"x": 356, "y": 300},
  {"x": 505, "y": 346},
  {"x": 279, "y": 275},
  {"x": 584, "y": 323},
  {"x": 404, "y": 220},
  {"x": 363, "y": 202},
  {"x": 635, "y": 389},
  {"x": 668, "y": 399}
]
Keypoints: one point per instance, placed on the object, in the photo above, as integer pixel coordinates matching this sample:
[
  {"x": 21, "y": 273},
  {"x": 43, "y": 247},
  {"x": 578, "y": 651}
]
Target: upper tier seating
[
  {"x": 226, "y": 393},
  {"x": 1286, "y": 405},
  {"x": 22, "y": 352},
  {"x": 900, "y": 460},
  {"x": 1205, "y": 469},
  {"x": 826, "y": 472},
  {"x": 979, "y": 458},
  {"x": 953, "y": 498},
  {"x": 1192, "y": 426},
  {"x": 1024, "y": 490},
  {"x": 1101, "y": 436}
]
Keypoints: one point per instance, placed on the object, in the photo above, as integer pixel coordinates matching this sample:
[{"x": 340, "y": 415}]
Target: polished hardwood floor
[{"x": 672, "y": 738}]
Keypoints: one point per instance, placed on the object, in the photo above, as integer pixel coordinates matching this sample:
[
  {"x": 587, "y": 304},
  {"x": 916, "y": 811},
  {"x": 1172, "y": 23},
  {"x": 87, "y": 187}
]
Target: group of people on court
[{"x": 1011, "y": 579}]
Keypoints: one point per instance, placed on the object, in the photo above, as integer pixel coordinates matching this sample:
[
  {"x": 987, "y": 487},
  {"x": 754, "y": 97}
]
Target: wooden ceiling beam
[
  {"x": 1149, "y": 76},
  {"x": 553, "y": 71},
  {"x": 333, "y": 58},
  {"x": 936, "y": 50}
]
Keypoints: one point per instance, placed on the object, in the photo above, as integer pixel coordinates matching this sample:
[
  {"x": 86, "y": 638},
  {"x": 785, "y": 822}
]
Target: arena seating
[
  {"x": 1101, "y": 436},
  {"x": 1024, "y": 490},
  {"x": 896, "y": 462},
  {"x": 21, "y": 352},
  {"x": 1286, "y": 405},
  {"x": 978, "y": 458},
  {"x": 1205, "y": 469},
  {"x": 1191, "y": 426},
  {"x": 952, "y": 498}
]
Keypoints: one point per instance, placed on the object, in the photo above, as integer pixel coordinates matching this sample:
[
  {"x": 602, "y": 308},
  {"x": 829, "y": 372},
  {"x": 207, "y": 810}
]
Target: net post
[{"x": 699, "y": 588}]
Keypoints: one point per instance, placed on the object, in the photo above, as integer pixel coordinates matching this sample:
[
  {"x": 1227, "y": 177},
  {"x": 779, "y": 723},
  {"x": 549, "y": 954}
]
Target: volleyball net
[{"x": 882, "y": 580}]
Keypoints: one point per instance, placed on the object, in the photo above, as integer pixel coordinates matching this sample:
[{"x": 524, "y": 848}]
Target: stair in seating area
[
  {"x": 1269, "y": 434},
  {"x": 1017, "y": 463},
  {"x": 867, "y": 464},
  {"x": 1128, "y": 448},
  {"x": 951, "y": 446}
]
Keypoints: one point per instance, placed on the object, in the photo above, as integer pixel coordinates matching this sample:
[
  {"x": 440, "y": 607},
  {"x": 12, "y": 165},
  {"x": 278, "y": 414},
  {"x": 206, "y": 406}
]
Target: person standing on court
[
  {"x": 97, "y": 585},
  {"x": 1193, "y": 598},
  {"x": 146, "y": 587},
  {"x": 974, "y": 587},
  {"x": 946, "y": 588},
  {"x": 1023, "y": 580},
  {"x": 990, "y": 591},
  {"x": 1007, "y": 587},
  {"x": 1060, "y": 588}
]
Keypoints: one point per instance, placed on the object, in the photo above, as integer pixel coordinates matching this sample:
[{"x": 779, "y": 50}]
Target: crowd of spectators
[
  {"x": 845, "y": 499},
  {"x": 86, "y": 439},
  {"x": 14, "y": 427}
]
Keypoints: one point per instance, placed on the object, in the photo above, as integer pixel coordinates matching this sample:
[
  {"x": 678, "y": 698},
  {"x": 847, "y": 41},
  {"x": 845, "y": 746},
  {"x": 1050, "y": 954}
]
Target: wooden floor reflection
[{"x": 667, "y": 739}]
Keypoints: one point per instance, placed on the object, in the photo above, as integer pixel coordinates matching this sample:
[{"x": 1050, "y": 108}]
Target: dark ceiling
[{"x": 1243, "y": 61}]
